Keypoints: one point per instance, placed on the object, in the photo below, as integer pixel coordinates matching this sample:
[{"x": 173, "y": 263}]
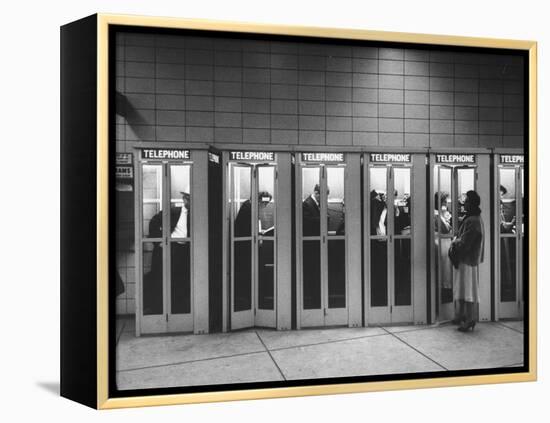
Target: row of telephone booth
[{"x": 288, "y": 240}]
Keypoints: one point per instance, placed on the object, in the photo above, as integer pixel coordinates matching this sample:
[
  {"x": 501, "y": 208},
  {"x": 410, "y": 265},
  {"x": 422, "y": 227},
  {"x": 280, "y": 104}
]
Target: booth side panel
[
  {"x": 199, "y": 210},
  {"x": 353, "y": 232},
  {"x": 284, "y": 243},
  {"x": 215, "y": 250},
  {"x": 78, "y": 211},
  {"x": 421, "y": 245},
  {"x": 485, "y": 277}
]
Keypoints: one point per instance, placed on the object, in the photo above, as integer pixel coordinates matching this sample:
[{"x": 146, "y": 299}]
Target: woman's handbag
[{"x": 454, "y": 255}]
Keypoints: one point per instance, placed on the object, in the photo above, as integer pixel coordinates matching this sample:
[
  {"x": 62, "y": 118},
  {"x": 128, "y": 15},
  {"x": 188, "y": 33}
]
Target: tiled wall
[
  {"x": 126, "y": 303},
  {"x": 207, "y": 90}
]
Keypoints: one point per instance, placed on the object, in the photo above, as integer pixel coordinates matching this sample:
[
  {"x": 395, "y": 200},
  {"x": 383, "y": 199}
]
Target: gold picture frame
[{"x": 101, "y": 267}]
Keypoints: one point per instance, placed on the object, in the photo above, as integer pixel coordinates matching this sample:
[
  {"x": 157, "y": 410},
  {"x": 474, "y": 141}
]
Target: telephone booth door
[
  {"x": 165, "y": 264},
  {"x": 253, "y": 244},
  {"x": 510, "y": 240},
  {"x": 389, "y": 251},
  {"x": 323, "y": 275},
  {"x": 453, "y": 175},
  {"x": 328, "y": 240},
  {"x": 451, "y": 185}
]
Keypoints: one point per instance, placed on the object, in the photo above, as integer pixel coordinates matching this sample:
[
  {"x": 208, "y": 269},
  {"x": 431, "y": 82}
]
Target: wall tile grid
[
  {"x": 210, "y": 90},
  {"x": 193, "y": 89}
]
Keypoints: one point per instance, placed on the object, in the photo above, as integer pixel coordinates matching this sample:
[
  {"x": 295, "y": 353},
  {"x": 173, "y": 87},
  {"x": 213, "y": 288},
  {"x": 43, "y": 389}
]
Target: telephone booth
[
  {"x": 509, "y": 235},
  {"x": 328, "y": 239},
  {"x": 453, "y": 175},
  {"x": 172, "y": 281},
  {"x": 395, "y": 238},
  {"x": 258, "y": 224}
]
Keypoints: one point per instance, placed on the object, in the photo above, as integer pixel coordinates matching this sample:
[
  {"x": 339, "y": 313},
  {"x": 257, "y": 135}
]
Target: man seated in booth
[
  {"x": 179, "y": 259},
  {"x": 265, "y": 217},
  {"x": 242, "y": 228}
]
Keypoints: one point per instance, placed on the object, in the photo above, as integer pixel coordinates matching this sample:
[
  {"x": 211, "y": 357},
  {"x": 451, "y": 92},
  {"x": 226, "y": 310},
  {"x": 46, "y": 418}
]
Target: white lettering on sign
[
  {"x": 169, "y": 154},
  {"x": 213, "y": 157},
  {"x": 323, "y": 157},
  {"x": 390, "y": 157},
  {"x": 256, "y": 156},
  {"x": 512, "y": 158},
  {"x": 123, "y": 158},
  {"x": 124, "y": 172},
  {"x": 455, "y": 158}
]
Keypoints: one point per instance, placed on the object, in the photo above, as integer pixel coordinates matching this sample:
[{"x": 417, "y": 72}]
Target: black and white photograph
[
  {"x": 293, "y": 211},
  {"x": 275, "y": 211}
]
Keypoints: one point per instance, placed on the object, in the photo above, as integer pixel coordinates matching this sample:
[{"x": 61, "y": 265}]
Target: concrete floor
[{"x": 267, "y": 355}]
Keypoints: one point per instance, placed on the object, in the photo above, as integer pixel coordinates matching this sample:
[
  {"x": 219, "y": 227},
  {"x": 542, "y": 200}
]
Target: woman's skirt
[
  {"x": 446, "y": 265},
  {"x": 466, "y": 286}
]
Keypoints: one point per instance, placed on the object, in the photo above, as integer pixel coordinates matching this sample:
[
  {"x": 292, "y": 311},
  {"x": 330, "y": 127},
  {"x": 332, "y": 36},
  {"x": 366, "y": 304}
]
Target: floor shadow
[{"x": 51, "y": 387}]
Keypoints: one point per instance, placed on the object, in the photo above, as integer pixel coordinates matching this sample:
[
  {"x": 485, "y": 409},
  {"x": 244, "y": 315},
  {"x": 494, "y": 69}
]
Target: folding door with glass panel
[
  {"x": 165, "y": 246},
  {"x": 389, "y": 264},
  {"x": 321, "y": 246},
  {"x": 510, "y": 243},
  {"x": 252, "y": 244},
  {"x": 451, "y": 183}
]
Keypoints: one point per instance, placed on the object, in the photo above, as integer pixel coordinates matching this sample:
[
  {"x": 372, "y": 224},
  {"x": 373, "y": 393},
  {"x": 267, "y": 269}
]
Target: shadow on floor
[{"x": 51, "y": 387}]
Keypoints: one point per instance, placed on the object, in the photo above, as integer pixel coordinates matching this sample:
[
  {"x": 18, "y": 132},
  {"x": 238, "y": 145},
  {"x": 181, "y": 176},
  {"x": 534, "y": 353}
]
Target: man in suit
[
  {"x": 311, "y": 221},
  {"x": 179, "y": 262},
  {"x": 311, "y": 213}
]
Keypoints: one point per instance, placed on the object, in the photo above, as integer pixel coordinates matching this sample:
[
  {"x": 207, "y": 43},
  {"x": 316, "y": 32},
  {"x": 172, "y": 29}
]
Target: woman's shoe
[{"x": 467, "y": 326}]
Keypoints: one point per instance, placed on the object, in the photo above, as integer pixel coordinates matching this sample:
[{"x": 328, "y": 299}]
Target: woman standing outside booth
[{"x": 466, "y": 254}]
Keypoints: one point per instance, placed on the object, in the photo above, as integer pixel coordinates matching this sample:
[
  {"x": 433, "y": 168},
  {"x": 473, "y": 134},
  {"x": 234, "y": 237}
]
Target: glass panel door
[
  {"x": 444, "y": 232},
  {"x": 336, "y": 237},
  {"x": 241, "y": 213},
  {"x": 311, "y": 246},
  {"x": 390, "y": 242},
  {"x": 523, "y": 247},
  {"x": 265, "y": 223},
  {"x": 465, "y": 180},
  {"x": 379, "y": 241},
  {"x": 450, "y": 187},
  {"x": 402, "y": 245},
  {"x": 510, "y": 203},
  {"x": 507, "y": 232},
  {"x": 333, "y": 208},
  {"x": 166, "y": 241},
  {"x": 253, "y": 246},
  {"x": 179, "y": 222},
  {"x": 323, "y": 245},
  {"x": 152, "y": 259}
]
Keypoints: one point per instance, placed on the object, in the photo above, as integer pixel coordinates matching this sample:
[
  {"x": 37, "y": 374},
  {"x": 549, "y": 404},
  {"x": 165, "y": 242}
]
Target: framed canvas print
[{"x": 253, "y": 211}]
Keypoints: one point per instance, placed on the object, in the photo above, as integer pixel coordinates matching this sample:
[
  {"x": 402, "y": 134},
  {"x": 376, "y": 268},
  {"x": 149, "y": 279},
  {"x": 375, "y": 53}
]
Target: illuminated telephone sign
[
  {"x": 390, "y": 158},
  {"x": 252, "y": 156},
  {"x": 323, "y": 157},
  {"x": 165, "y": 154},
  {"x": 455, "y": 158},
  {"x": 512, "y": 159}
]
